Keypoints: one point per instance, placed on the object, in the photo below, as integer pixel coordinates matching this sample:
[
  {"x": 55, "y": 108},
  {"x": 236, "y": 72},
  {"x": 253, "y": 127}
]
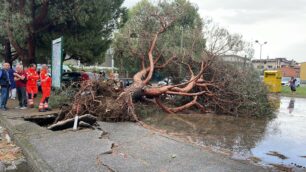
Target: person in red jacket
[
  {"x": 46, "y": 82},
  {"x": 31, "y": 87},
  {"x": 84, "y": 76}
]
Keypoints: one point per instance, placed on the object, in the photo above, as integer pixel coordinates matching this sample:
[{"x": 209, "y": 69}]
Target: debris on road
[
  {"x": 11, "y": 156},
  {"x": 86, "y": 120}
]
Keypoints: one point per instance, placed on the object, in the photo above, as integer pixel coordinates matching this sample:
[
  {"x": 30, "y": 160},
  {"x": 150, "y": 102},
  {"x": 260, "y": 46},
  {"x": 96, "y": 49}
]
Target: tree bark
[
  {"x": 7, "y": 52},
  {"x": 31, "y": 51}
]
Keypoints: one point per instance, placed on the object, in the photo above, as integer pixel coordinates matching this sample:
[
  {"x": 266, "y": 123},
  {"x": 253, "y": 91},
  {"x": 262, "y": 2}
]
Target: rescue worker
[
  {"x": 45, "y": 81},
  {"x": 32, "y": 89}
]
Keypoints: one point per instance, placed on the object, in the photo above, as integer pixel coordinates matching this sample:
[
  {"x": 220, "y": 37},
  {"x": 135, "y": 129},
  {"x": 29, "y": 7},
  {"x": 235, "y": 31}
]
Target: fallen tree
[{"x": 208, "y": 84}]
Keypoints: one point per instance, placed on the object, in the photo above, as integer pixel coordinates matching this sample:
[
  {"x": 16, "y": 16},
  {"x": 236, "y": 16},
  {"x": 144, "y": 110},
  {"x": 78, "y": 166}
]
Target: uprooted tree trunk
[
  {"x": 119, "y": 106},
  {"x": 108, "y": 103}
]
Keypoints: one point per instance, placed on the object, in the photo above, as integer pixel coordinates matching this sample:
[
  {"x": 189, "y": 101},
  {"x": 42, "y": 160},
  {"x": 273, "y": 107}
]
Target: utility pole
[
  {"x": 181, "y": 50},
  {"x": 260, "y": 45}
]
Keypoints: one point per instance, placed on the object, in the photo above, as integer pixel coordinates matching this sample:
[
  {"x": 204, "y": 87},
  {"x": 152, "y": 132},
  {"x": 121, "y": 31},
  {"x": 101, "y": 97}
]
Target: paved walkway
[{"x": 126, "y": 147}]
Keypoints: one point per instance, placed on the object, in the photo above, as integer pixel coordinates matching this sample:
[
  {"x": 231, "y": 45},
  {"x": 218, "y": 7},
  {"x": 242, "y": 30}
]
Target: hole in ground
[{"x": 42, "y": 120}]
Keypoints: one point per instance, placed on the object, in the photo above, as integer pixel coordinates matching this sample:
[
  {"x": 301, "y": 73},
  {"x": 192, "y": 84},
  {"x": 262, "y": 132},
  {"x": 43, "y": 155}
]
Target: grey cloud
[
  {"x": 251, "y": 11},
  {"x": 252, "y": 4},
  {"x": 296, "y": 51},
  {"x": 130, "y": 3},
  {"x": 253, "y": 16},
  {"x": 280, "y": 22}
]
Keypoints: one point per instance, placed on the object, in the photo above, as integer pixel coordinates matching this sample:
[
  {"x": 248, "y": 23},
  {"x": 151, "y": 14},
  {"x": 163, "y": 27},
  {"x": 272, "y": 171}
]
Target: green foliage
[
  {"x": 86, "y": 26},
  {"x": 242, "y": 87},
  {"x": 9, "y": 12},
  {"x": 254, "y": 92},
  {"x": 61, "y": 97},
  {"x": 300, "y": 91},
  {"x": 183, "y": 38}
]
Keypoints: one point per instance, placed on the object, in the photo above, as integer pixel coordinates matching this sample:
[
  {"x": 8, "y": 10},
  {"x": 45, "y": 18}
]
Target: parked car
[
  {"x": 66, "y": 68},
  {"x": 70, "y": 77},
  {"x": 126, "y": 81},
  {"x": 298, "y": 82},
  {"x": 285, "y": 81},
  {"x": 165, "y": 81},
  {"x": 93, "y": 76}
]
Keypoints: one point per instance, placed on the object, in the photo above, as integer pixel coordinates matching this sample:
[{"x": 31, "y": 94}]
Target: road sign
[{"x": 57, "y": 56}]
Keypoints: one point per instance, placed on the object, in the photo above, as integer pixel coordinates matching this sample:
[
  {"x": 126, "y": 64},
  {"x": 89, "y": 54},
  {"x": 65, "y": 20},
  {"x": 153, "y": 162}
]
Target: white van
[{"x": 66, "y": 68}]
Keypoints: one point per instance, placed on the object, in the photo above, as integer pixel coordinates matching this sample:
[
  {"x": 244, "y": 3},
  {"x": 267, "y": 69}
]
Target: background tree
[
  {"x": 219, "y": 41},
  {"x": 212, "y": 83},
  {"x": 86, "y": 26},
  {"x": 22, "y": 20},
  {"x": 133, "y": 40},
  {"x": 6, "y": 51}
]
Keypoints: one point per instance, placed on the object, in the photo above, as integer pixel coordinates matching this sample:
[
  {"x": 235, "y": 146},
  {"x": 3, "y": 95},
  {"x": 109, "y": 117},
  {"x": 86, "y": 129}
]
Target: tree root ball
[{"x": 100, "y": 99}]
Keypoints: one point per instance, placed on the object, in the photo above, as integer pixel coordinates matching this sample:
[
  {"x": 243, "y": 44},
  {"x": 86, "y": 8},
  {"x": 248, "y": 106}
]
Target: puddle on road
[{"x": 281, "y": 140}]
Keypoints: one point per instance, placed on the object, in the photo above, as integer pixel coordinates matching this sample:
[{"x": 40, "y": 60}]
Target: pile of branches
[
  {"x": 99, "y": 99},
  {"x": 214, "y": 86},
  {"x": 233, "y": 89},
  {"x": 242, "y": 91}
]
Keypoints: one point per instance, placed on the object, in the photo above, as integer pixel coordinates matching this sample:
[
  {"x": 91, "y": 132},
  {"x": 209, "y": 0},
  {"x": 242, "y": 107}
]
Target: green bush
[
  {"x": 62, "y": 97},
  {"x": 238, "y": 91}
]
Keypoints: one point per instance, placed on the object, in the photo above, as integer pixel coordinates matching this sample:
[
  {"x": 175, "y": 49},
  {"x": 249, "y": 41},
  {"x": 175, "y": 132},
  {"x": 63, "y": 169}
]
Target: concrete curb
[{"x": 35, "y": 162}]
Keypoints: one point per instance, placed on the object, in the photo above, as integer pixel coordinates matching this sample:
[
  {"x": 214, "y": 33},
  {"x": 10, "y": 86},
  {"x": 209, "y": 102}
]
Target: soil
[{"x": 9, "y": 152}]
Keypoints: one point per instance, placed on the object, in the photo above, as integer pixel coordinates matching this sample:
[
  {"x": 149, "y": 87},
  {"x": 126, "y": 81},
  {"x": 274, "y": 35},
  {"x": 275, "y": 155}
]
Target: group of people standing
[{"x": 25, "y": 81}]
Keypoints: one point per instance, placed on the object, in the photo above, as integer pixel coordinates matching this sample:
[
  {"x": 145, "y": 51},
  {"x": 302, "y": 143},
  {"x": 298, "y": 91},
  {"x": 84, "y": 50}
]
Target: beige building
[
  {"x": 272, "y": 64},
  {"x": 235, "y": 59},
  {"x": 303, "y": 72}
]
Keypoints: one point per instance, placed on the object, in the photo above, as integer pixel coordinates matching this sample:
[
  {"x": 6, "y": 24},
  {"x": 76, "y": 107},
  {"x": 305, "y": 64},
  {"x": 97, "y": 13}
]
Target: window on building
[
  {"x": 270, "y": 67},
  {"x": 260, "y": 67}
]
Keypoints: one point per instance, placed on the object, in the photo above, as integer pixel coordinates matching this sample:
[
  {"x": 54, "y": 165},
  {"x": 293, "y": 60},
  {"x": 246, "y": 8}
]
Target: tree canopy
[
  {"x": 133, "y": 40},
  {"x": 86, "y": 25},
  {"x": 191, "y": 38}
]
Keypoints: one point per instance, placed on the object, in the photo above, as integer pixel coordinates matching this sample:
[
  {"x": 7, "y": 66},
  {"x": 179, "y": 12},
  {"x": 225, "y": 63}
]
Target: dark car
[
  {"x": 126, "y": 81},
  {"x": 68, "y": 78},
  {"x": 71, "y": 77}
]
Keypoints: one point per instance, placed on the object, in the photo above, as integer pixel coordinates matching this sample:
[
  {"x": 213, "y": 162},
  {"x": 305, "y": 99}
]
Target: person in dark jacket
[
  {"x": 12, "y": 94},
  {"x": 5, "y": 85},
  {"x": 292, "y": 85}
]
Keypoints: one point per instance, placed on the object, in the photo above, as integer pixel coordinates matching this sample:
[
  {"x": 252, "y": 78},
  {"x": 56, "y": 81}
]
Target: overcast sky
[{"x": 282, "y": 23}]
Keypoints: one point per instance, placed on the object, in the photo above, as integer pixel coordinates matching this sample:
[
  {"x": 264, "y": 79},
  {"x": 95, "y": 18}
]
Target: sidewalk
[{"x": 126, "y": 147}]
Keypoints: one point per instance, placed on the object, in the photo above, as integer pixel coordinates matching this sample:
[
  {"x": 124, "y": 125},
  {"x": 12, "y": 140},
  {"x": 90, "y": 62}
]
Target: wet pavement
[
  {"x": 286, "y": 134},
  {"x": 119, "y": 147},
  {"x": 281, "y": 140}
]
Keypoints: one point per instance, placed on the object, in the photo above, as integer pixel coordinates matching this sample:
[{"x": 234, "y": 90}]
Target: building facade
[
  {"x": 303, "y": 72},
  {"x": 236, "y": 60},
  {"x": 291, "y": 71},
  {"x": 272, "y": 64}
]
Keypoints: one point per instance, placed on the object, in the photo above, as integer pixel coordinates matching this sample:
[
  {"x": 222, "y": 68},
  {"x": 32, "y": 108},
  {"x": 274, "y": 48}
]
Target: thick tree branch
[
  {"x": 14, "y": 43},
  {"x": 21, "y": 7},
  {"x": 166, "y": 63},
  {"x": 186, "y": 94},
  {"x": 42, "y": 14},
  {"x": 150, "y": 56},
  {"x": 186, "y": 106},
  {"x": 162, "y": 106},
  {"x": 176, "y": 109}
]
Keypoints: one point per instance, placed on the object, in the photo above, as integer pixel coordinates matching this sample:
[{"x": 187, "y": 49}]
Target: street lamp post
[{"x": 260, "y": 45}]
